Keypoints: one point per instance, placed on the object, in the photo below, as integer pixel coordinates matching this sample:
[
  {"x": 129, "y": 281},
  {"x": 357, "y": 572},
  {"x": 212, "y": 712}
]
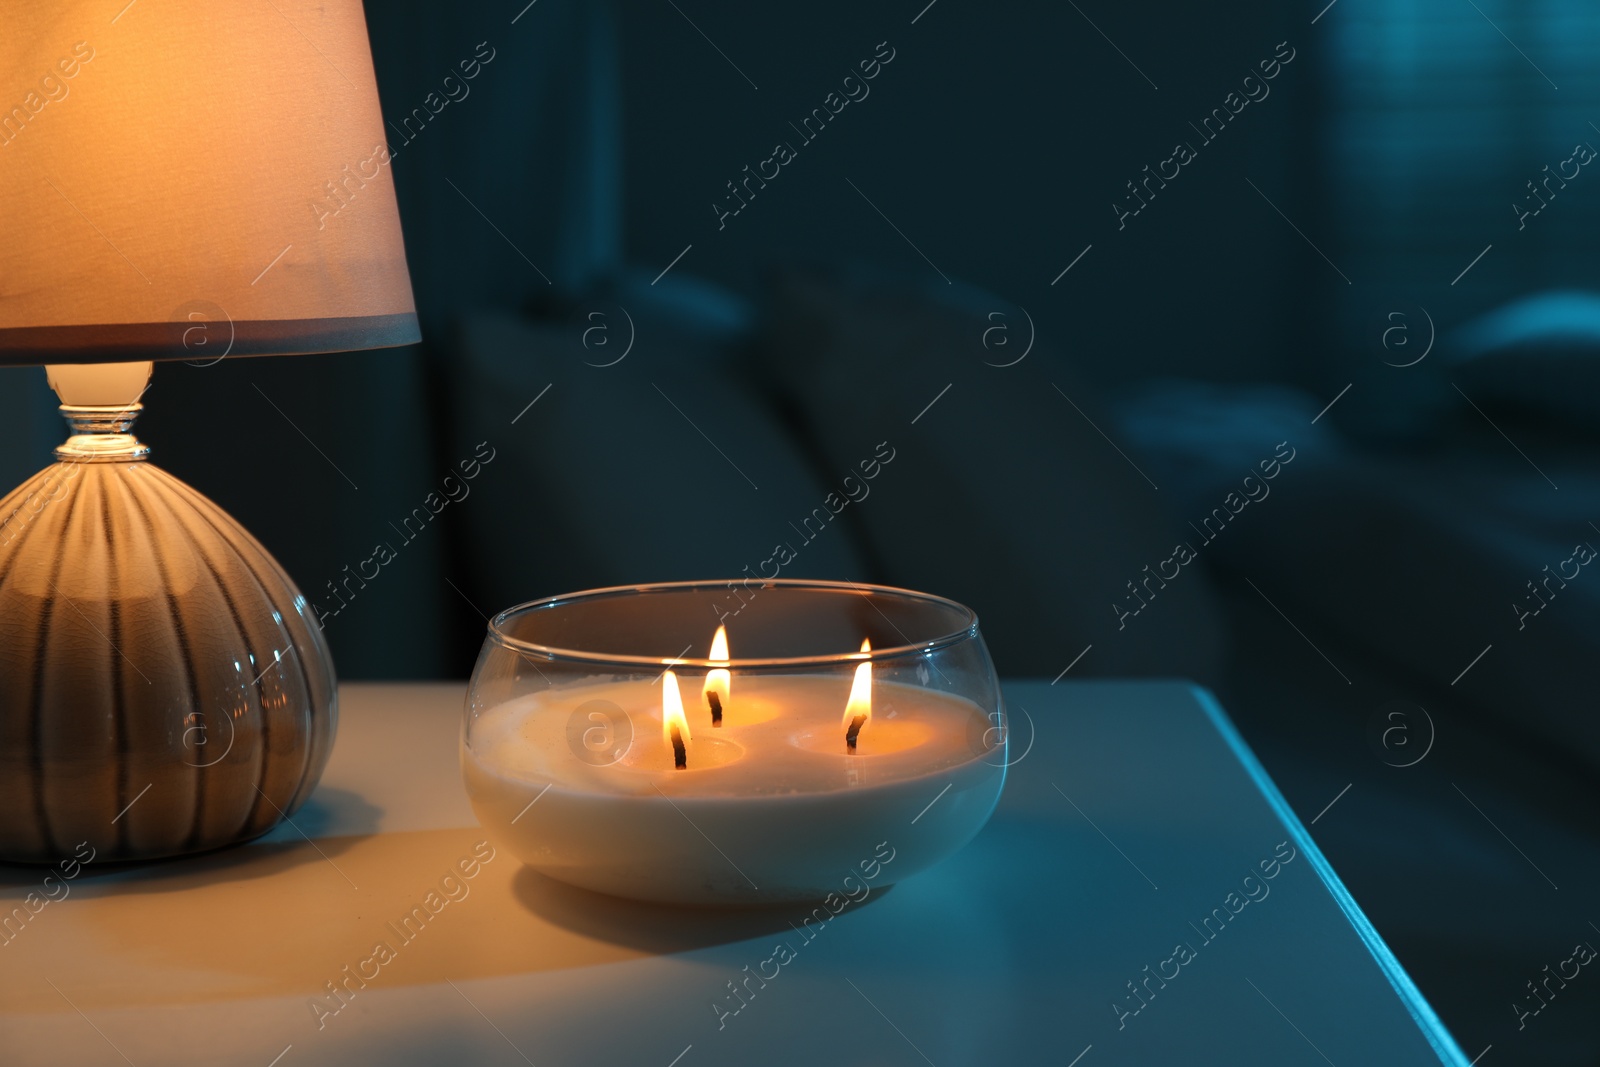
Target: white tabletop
[{"x": 1135, "y": 815}]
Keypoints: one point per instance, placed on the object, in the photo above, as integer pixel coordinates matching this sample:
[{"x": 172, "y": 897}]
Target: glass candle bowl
[{"x": 734, "y": 743}]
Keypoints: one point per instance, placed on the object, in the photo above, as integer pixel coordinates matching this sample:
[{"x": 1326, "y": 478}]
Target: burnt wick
[{"x": 854, "y": 732}]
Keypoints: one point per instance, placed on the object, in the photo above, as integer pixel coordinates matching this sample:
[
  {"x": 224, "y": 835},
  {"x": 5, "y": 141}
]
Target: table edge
[{"x": 1444, "y": 1045}]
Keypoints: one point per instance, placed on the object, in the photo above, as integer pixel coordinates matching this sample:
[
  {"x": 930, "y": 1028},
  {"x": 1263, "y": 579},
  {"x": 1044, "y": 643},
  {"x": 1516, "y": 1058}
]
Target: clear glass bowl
[{"x": 571, "y": 745}]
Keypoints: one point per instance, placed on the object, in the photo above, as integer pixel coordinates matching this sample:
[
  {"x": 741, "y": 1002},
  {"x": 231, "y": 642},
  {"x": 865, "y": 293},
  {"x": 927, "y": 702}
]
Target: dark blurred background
[{"x": 1389, "y": 212}]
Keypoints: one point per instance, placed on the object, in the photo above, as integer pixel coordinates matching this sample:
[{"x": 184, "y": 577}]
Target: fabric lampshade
[{"x": 188, "y": 178}]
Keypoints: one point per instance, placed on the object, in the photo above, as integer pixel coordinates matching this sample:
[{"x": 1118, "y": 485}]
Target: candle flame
[
  {"x": 719, "y": 680},
  {"x": 860, "y": 702},
  {"x": 672, "y": 709}
]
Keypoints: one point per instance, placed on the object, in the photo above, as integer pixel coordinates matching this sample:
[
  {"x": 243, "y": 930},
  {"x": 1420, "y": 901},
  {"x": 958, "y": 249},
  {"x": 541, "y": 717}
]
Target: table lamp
[{"x": 182, "y": 179}]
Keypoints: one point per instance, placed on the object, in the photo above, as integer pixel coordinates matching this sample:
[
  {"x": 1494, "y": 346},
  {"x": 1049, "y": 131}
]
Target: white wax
[{"x": 771, "y": 806}]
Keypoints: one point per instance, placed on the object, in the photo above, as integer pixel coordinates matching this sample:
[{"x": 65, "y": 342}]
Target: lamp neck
[
  {"x": 101, "y": 434},
  {"x": 100, "y": 402}
]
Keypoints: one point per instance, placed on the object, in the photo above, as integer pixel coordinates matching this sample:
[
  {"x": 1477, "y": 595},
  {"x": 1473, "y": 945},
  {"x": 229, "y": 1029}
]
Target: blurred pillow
[
  {"x": 1002, "y": 493},
  {"x": 1201, "y": 437},
  {"x": 1540, "y": 354},
  {"x": 643, "y": 457}
]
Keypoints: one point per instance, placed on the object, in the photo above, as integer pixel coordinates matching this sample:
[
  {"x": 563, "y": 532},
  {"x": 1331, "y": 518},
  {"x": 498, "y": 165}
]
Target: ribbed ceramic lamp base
[{"x": 164, "y": 688}]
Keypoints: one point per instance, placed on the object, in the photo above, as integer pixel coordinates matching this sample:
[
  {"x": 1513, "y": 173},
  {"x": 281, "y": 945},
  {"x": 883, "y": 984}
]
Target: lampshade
[{"x": 184, "y": 165}]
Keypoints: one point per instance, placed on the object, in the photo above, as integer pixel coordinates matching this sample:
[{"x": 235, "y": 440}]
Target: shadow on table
[
  {"x": 280, "y": 849},
  {"x": 661, "y": 928}
]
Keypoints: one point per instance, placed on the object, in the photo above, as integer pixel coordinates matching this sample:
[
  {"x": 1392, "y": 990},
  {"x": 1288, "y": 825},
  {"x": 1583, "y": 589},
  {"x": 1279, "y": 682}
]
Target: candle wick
[
  {"x": 680, "y": 755},
  {"x": 716, "y": 707},
  {"x": 855, "y": 729}
]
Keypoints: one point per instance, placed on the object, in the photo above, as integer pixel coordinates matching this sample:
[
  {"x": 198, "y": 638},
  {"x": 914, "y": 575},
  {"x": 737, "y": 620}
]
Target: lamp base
[{"x": 164, "y": 687}]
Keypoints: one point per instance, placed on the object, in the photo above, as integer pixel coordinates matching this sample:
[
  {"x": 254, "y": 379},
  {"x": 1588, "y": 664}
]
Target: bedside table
[{"x": 1142, "y": 895}]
